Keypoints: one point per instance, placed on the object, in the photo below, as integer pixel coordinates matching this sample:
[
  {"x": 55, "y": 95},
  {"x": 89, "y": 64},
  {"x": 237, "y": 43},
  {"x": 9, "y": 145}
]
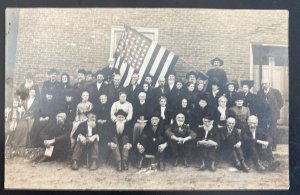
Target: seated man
[
  {"x": 56, "y": 134},
  {"x": 231, "y": 141},
  {"x": 153, "y": 141},
  {"x": 257, "y": 144},
  {"x": 207, "y": 142},
  {"x": 86, "y": 138},
  {"x": 118, "y": 140},
  {"x": 181, "y": 137}
]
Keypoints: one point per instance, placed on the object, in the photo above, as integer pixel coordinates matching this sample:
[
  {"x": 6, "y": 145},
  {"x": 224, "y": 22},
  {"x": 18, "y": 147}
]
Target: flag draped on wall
[{"x": 136, "y": 53}]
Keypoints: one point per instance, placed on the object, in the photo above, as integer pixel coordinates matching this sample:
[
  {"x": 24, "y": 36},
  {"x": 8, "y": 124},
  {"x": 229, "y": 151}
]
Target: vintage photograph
[{"x": 146, "y": 99}]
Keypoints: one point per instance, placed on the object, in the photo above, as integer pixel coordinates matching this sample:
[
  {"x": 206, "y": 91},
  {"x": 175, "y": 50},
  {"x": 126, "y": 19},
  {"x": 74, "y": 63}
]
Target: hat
[
  {"x": 155, "y": 114},
  {"x": 203, "y": 97},
  {"x": 234, "y": 83},
  {"x": 98, "y": 72},
  {"x": 215, "y": 81},
  {"x": 88, "y": 72},
  {"x": 82, "y": 71},
  {"x": 239, "y": 96},
  {"x": 249, "y": 83},
  {"x": 217, "y": 60},
  {"x": 191, "y": 73},
  {"x": 170, "y": 73},
  {"x": 121, "y": 112},
  {"x": 29, "y": 75},
  {"x": 202, "y": 76},
  {"x": 52, "y": 71},
  {"x": 208, "y": 116}
]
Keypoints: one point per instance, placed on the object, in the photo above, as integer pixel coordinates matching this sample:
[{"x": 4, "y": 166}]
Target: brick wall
[{"x": 71, "y": 38}]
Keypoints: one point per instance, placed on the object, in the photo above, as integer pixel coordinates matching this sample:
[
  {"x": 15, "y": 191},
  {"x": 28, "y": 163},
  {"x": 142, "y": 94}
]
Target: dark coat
[
  {"x": 112, "y": 134},
  {"x": 229, "y": 140},
  {"x": 241, "y": 115},
  {"x": 157, "y": 93},
  {"x": 230, "y": 99},
  {"x": 185, "y": 132},
  {"x": 33, "y": 110},
  {"x": 191, "y": 98},
  {"x": 197, "y": 115},
  {"x": 269, "y": 105},
  {"x": 171, "y": 95},
  {"x": 113, "y": 93},
  {"x": 217, "y": 115},
  {"x": 141, "y": 110},
  {"x": 213, "y": 135},
  {"x": 70, "y": 109},
  {"x": 250, "y": 102},
  {"x": 168, "y": 114},
  {"x": 186, "y": 112},
  {"x": 95, "y": 93},
  {"x": 82, "y": 129},
  {"x": 132, "y": 95},
  {"x": 108, "y": 73},
  {"x": 214, "y": 100},
  {"x": 216, "y": 75},
  {"x": 50, "y": 86},
  {"x": 260, "y": 134}
]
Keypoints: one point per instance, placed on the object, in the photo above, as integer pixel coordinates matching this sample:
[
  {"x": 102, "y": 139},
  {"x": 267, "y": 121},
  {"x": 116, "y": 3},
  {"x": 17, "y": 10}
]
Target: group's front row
[{"x": 208, "y": 143}]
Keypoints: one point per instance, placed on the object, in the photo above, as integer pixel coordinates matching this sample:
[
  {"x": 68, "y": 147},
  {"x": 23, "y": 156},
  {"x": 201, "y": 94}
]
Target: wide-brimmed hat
[
  {"x": 217, "y": 60},
  {"x": 249, "y": 83},
  {"x": 234, "y": 83}
]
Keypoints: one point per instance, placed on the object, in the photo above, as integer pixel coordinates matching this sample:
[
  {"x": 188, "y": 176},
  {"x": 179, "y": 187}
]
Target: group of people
[{"x": 207, "y": 117}]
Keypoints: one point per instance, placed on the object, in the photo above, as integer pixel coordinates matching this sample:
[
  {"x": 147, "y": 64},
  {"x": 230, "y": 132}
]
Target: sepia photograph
[{"x": 146, "y": 99}]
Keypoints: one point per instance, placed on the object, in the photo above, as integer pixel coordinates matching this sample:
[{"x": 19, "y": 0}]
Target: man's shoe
[
  {"x": 125, "y": 165},
  {"x": 161, "y": 165},
  {"x": 245, "y": 167},
  {"x": 119, "y": 166},
  {"x": 212, "y": 166},
  {"x": 94, "y": 165},
  {"x": 238, "y": 165},
  {"x": 185, "y": 162},
  {"x": 75, "y": 165},
  {"x": 202, "y": 166},
  {"x": 175, "y": 164}
]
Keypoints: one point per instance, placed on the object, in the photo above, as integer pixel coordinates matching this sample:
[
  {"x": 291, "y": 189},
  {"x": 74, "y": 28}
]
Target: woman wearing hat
[
  {"x": 216, "y": 74},
  {"x": 231, "y": 91},
  {"x": 190, "y": 94},
  {"x": 250, "y": 98}
]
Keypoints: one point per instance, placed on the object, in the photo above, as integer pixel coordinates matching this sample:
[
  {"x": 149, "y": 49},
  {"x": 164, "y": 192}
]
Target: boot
[
  {"x": 185, "y": 162},
  {"x": 237, "y": 163},
  {"x": 175, "y": 164},
  {"x": 202, "y": 165},
  {"x": 244, "y": 166},
  {"x": 140, "y": 162},
  {"x": 119, "y": 166},
  {"x": 75, "y": 165},
  {"x": 94, "y": 165},
  {"x": 125, "y": 165},
  {"x": 212, "y": 166}
]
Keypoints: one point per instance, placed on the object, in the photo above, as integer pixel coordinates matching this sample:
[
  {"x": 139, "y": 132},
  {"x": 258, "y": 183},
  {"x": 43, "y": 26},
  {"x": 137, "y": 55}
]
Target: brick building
[{"x": 68, "y": 39}]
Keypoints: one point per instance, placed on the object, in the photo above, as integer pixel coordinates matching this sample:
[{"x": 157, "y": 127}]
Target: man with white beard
[
  {"x": 119, "y": 140},
  {"x": 87, "y": 138}
]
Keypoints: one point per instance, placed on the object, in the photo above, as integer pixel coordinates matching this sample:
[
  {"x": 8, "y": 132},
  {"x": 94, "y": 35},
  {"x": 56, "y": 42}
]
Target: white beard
[{"x": 120, "y": 126}]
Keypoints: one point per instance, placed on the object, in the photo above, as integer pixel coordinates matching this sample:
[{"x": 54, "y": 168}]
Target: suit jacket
[
  {"x": 33, "y": 110},
  {"x": 260, "y": 134},
  {"x": 113, "y": 92},
  {"x": 141, "y": 110},
  {"x": 95, "y": 93},
  {"x": 230, "y": 139},
  {"x": 150, "y": 139},
  {"x": 184, "y": 132},
  {"x": 213, "y": 135},
  {"x": 157, "y": 93},
  {"x": 269, "y": 105},
  {"x": 231, "y": 99},
  {"x": 132, "y": 95},
  {"x": 82, "y": 129},
  {"x": 251, "y": 103},
  {"x": 111, "y": 134},
  {"x": 168, "y": 114},
  {"x": 197, "y": 115},
  {"x": 52, "y": 86},
  {"x": 171, "y": 95},
  {"x": 213, "y": 101},
  {"x": 216, "y": 75}
]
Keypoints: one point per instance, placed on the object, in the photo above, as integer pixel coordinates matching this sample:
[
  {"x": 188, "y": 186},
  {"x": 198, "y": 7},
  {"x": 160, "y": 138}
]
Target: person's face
[
  {"x": 81, "y": 76},
  {"x": 15, "y": 103},
  {"x": 215, "y": 87},
  {"x": 230, "y": 88},
  {"x": 148, "y": 80},
  {"x": 120, "y": 118},
  {"x": 230, "y": 123},
  {"x": 64, "y": 79},
  {"x": 146, "y": 87},
  {"x": 89, "y": 77},
  {"x": 265, "y": 85},
  {"x": 122, "y": 98},
  {"x": 217, "y": 63},
  {"x": 245, "y": 88},
  {"x": 32, "y": 93},
  {"x": 200, "y": 86},
  {"x": 239, "y": 103},
  {"x": 192, "y": 78},
  {"x": 202, "y": 103},
  {"x": 49, "y": 96},
  {"x": 103, "y": 99},
  {"x": 100, "y": 78},
  {"x": 207, "y": 123},
  {"x": 134, "y": 79},
  {"x": 163, "y": 102},
  {"x": 53, "y": 76},
  {"x": 154, "y": 121},
  {"x": 85, "y": 96},
  {"x": 69, "y": 98},
  {"x": 161, "y": 82},
  {"x": 117, "y": 80},
  {"x": 252, "y": 123},
  {"x": 178, "y": 85},
  {"x": 61, "y": 118},
  {"x": 184, "y": 103},
  {"x": 142, "y": 96},
  {"x": 180, "y": 119},
  {"x": 222, "y": 103},
  {"x": 191, "y": 87}
]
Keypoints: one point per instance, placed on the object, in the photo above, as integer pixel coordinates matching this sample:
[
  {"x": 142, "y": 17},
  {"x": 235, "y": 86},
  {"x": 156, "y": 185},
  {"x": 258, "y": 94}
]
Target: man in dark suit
[
  {"x": 231, "y": 91},
  {"x": 208, "y": 140},
  {"x": 165, "y": 112},
  {"x": 180, "y": 138},
  {"x": 52, "y": 84},
  {"x": 57, "y": 134},
  {"x": 257, "y": 145},
  {"x": 215, "y": 94},
  {"x": 153, "y": 141},
  {"x": 133, "y": 89},
  {"x": 216, "y": 74},
  {"x": 171, "y": 92},
  {"x": 158, "y": 91},
  {"x": 87, "y": 139},
  {"x": 269, "y": 104},
  {"x": 250, "y": 98},
  {"x": 114, "y": 89},
  {"x": 109, "y": 71},
  {"x": 98, "y": 88},
  {"x": 80, "y": 86},
  {"x": 230, "y": 146}
]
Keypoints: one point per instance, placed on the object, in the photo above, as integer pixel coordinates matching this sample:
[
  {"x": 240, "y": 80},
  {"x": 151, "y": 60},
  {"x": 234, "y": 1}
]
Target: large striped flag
[{"x": 136, "y": 53}]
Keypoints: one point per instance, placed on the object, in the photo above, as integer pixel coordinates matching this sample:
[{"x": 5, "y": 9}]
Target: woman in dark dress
[
  {"x": 191, "y": 94},
  {"x": 201, "y": 109},
  {"x": 185, "y": 110}
]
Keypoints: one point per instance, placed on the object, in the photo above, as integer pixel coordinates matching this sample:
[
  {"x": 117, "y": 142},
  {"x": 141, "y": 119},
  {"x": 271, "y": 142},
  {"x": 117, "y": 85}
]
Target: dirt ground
[{"x": 22, "y": 173}]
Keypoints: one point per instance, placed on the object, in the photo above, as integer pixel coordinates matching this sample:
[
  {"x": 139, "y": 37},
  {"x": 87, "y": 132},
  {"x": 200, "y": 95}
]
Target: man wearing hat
[
  {"x": 153, "y": 141},
  {"x": 98, "y": 88},
  {"x": 239, "y": 112},
  {"x": 109, "y": 71},
  {"x": 216, "y": 74},
  {"x": 207, "y": 141},
  {"x": 231, "y": 91},
  {"x": 87, "y": 139},
  {"x": 23, "y": 90},
  {"x": 119, "y": 140},
  {"x": 270, "y": 103},
  {"x": 56, "y": 134},
  {"x": 180, "y": 137},
  {"x": 51, "y": 84},
  {"x": 250, "y": 98},
  {"x": 81, "y": 84},
  {"x": 215, "y": 94},
  {"x": 69, "y": 105},
  {"x": 191, "y": 76}
]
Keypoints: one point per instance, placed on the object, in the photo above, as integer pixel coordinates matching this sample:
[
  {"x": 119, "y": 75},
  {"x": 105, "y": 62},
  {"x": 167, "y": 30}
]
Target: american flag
[{"x": 136, "y": 53}]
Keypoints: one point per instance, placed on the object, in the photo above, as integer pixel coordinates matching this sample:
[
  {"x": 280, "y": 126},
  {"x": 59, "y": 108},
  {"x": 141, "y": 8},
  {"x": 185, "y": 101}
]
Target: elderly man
[
  {"x": 180, "y": 136},
  {"x": 207, "y": 140},
  {"x": 133, "y": 89},
  {"x": 153, "y": 141},
  {"x": 231, "y": 142},
  {"x": 87, "y": 139},
  {"x": 114, "y": 88},
  {"x": 56, "y": 136},
  {"x": 119, "y": 140},
  {"x": 257, "y": 145},
  {"x": 269, "y": 104}
]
